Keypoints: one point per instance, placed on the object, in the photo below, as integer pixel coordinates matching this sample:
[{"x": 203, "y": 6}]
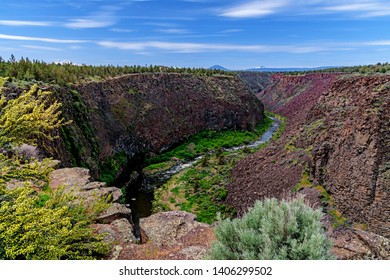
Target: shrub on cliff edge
[
  {"x": 36, "y": 223},
  {"x": 273, "y": 230}
]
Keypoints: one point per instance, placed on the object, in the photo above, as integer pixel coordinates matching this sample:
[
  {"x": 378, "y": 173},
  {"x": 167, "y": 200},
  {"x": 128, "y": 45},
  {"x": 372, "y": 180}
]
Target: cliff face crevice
[{"x": 148, "y": 113}]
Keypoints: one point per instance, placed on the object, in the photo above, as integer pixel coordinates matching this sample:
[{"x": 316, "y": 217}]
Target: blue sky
[{"x": 237, "y": 34}]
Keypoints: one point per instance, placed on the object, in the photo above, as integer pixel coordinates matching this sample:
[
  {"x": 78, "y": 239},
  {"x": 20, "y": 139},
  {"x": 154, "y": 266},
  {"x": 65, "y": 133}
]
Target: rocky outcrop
[
  {"x": 142, "y": 113},
  {"x": 355, "y": 244},
  {"x": 77, "y": 181},
  {"x": 166, "y": 235},
  {"x": 115, "y": 223},
  {"x": 171, "y": 235}
]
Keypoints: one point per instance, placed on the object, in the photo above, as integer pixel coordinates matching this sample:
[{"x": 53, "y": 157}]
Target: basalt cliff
[
  {"x": 335, "y": 150},
  {"x": 118, "y": 121}
]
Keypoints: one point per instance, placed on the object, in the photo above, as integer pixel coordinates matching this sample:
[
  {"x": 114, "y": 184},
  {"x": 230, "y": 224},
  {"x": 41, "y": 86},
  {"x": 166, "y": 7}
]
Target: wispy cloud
[
  {"x": 378, "y": 43},
  {"x": 173, "y": 31},
  {"x": 362, "y": 8},
  {"x": 88, "y": 23},
  {"x": 121, "y": 30},
  {"x": 176, "y": 47},
  {"x": 24, "y": 23},
  {"x": 40, "y": 39},
  {"x": 105, "y": 17},
  {"x": 41, "y": 48},
  {"x": 355, "y": 8},
  {"x": 254, "y": 9}
]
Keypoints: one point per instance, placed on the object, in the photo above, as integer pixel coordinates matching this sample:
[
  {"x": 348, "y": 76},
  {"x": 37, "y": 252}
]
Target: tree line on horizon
[{"x": 25, "y": 69}]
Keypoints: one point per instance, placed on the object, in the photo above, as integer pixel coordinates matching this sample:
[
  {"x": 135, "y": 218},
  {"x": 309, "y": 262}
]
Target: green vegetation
[
  {"x": 273, "y": 230},
  {"x": 305, "y": 182},
  {"x": 36, "y": 222},
  {"x": 201, "y": 188},
  {"x": 24, "y": 69},
  {"x": 110, "y": 167},
  {"x": 209, "y": 140},
  {"x": 81, "y": 128},
  {"x": 31, "y": 116},
  {"x": 34, "y": 226},
  {"x": 379, "y": 68}
]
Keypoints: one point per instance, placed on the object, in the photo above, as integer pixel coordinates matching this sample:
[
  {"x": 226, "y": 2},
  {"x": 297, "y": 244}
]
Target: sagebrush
[{"x": 273, "y": 230}]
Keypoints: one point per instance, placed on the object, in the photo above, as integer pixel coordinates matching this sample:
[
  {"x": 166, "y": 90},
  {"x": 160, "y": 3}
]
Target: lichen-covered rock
[
  {"x": 166, "y": 228},
  {"x": 174, "y": 235},
  {"x": 115, "y": 212},
  {"x": 115, "y": 222},
  {"x": 355, "y": 244},
  {"x": 117, "y": 233},
  {"x": 70, "y": 178},
  {"x": 77, "y": 180}
]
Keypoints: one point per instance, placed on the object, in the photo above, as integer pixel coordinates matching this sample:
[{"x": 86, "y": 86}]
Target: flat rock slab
[{"x": 115, "y": 212}]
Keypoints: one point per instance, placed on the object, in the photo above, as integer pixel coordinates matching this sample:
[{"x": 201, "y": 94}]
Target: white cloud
[
  {"x": 355, "y": 8},
  {"x": 208, "y": 47},
  {"x": 87, "y": 23},
  {"x": 40, "y": 39},
  {"x": 378, "y": 43},
  {"x": 121, "y": 30},
  {"x": 173, "y": 31},
  {"x": 254, "y": 9},
  {"x": 42, "y": 48},
  {"x": 362, "y": 8},
  {"x": 24, "y": 23},
  {"x": 104, "y": 17}
]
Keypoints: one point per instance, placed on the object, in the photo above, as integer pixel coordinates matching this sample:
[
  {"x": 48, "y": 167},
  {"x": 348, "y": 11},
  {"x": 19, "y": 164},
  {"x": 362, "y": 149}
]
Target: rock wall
[
  {"x": 351, "y": 151},
  {"x": 273, "y": 171},
  {"x": 143, "y": 113},
  {"x": 338, "y": 129}
]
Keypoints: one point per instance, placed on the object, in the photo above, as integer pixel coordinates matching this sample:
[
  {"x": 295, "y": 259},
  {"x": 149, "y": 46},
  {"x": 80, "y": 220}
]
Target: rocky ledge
[{"x": 168, "y": 235}]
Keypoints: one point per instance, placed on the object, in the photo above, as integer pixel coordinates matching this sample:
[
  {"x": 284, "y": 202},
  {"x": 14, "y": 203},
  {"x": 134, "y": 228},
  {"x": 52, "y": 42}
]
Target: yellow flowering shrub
[{"x": 35, "y": 222}]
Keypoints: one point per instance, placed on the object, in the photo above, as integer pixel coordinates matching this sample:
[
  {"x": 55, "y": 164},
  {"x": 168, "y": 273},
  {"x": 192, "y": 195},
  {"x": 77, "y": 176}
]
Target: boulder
[
  {"x": 70, "y": 178},
  {"x": 174, "y": 235},
  {"x": 118, "y": 233},
  {"x": 115, "y": 212}
]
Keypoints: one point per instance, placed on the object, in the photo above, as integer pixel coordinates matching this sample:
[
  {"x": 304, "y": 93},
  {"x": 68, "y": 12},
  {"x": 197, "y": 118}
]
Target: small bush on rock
[{"x": 273, "y": 230}]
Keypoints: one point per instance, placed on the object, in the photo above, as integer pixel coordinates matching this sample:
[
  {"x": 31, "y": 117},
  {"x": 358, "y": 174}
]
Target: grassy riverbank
[{"x": 205, "y": 142}]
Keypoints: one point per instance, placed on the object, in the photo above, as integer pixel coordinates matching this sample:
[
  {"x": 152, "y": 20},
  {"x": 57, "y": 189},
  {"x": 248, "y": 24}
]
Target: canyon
[{"x": 334, "y": 150}]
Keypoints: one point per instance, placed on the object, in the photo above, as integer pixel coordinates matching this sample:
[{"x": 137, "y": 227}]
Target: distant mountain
[
  {"x": 218, "y": 67},
  {"x": 264, "y": 69}
]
